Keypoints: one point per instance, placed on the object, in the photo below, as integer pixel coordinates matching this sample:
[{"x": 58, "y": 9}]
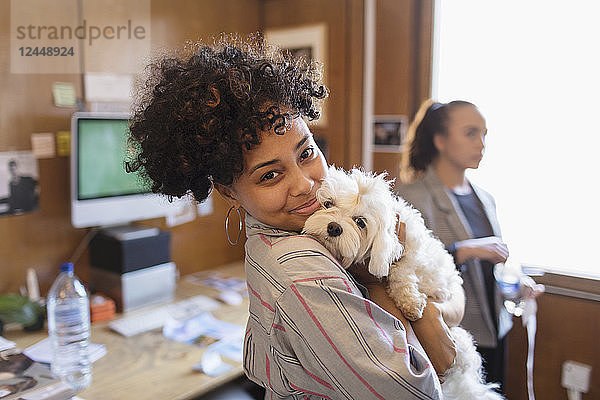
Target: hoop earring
[{"x": 237, "y": 239}]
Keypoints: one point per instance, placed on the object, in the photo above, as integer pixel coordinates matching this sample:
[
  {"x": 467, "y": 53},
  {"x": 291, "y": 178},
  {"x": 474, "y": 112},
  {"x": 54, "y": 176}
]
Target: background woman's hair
[
  {"x": 196, "y": 114},
  {"x": 431, "y": 119}
]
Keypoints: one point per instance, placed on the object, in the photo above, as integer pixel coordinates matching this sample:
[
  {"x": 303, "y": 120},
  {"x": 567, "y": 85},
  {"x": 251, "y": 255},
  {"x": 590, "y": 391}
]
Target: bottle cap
[{"x": 66, "y": 267}]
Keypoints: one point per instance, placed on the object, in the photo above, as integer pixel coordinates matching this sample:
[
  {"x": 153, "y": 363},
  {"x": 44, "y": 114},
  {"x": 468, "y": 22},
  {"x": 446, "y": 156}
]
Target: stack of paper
[
  {"x": 228, "y": 340},
  {"x": 42, "y": 351},
  {"x": 6, "y": 344}
]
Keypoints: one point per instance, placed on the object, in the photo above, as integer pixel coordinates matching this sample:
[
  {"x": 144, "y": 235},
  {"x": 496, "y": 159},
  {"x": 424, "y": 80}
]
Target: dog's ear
[
  {"x": 369, "y": 183},
  {"x": 385, "y": 250}
]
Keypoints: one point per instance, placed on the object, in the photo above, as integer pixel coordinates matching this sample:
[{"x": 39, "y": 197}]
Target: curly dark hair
[
  {"x": 431, "y": 119},
  {"x": 196, "y": 115}
]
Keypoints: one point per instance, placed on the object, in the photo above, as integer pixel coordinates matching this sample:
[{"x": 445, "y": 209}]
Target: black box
[{"x": 121, "y": 256}]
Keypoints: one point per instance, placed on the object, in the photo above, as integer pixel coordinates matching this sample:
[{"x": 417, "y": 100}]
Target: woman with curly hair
[{"x": 232, "y": 117}]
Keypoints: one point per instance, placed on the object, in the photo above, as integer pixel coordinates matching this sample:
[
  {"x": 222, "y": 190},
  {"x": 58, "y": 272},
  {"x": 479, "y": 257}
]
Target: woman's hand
[
  {"x": 490, "y": 248},
  {"x": 530, "y": 289},
  {"x": 435, "y": 336},
  {"x": 453, "y": 309}
]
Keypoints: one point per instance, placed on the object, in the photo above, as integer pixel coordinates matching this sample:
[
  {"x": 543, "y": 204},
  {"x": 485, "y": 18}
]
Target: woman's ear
[
  {"x": 439, "y": 141},
  {"x": 227, "y": 194}
]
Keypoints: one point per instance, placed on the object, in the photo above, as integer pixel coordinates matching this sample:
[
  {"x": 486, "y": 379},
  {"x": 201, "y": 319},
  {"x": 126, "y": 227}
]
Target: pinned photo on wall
[
  {"x": 389, "y": 132},
  {"x": 19, "y": 187}
]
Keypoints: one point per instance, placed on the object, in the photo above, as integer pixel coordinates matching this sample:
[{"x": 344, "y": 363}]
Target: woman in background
[{"x": 444, "y": 141}]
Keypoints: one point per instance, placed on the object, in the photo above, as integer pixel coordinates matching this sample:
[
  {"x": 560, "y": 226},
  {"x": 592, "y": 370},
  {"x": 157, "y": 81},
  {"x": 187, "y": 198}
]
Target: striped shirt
[{"x": 312, "y": 335}]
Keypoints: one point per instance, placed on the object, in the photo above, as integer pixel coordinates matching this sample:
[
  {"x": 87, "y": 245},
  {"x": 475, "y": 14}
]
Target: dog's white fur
[{"x": 421, "y": 268}]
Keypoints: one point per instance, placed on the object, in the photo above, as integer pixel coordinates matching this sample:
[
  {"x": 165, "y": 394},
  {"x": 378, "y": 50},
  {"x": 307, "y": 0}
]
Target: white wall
[{"x": 532, "y": 67}]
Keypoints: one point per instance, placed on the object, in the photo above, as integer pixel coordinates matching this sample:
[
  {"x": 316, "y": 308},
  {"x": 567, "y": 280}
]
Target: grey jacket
[{"x": 445, "y": 218}]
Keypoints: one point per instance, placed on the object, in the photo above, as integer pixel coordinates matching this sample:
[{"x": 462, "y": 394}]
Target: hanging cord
[
  {"x": 529, "y": 321},
  {"x": 83, "y": 244},
  {"x": 573, "y": 394}
]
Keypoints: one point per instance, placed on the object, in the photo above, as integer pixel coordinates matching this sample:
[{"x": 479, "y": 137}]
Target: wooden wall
[
  {"x": 344, "y": 66},
  {"x": 44, "y": 238},
  {"x": 568, "y": 328},
  {"x": 403, "y": 65}
]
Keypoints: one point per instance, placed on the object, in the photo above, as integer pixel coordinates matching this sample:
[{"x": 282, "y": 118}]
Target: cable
[
  {"x": 573, "y": 394},
  {"x": 83, "y": 244}
]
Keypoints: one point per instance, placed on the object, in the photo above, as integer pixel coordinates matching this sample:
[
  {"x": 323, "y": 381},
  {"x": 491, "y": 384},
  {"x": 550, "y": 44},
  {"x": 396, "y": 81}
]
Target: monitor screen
[
  {"x": 102, "y": 148},
  {"x": 102, "y": 192}
]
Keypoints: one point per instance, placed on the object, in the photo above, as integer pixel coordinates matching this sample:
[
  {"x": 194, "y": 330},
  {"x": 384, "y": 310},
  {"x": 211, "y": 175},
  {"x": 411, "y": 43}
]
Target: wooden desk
[{"x": 149, "y": 365}]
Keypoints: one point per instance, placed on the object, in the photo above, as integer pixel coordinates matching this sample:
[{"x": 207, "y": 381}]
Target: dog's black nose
[{"x": 334, "y": 229}]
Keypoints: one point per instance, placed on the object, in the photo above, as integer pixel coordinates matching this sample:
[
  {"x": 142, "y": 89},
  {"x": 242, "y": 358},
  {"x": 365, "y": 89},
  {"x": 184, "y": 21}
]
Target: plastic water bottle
[
  {"x": 508, "y": 276},
  {"x": 69, "y": 329}
]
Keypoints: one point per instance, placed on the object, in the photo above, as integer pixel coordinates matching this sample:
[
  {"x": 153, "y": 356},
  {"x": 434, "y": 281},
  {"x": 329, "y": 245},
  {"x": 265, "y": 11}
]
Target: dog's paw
[
  {"x": 413, "y": 310},
  {"x": 413, "y": 314}
]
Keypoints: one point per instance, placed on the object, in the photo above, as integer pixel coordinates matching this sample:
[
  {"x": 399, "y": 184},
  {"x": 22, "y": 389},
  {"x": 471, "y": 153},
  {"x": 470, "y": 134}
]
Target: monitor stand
[{"x": 129, "y": 232}]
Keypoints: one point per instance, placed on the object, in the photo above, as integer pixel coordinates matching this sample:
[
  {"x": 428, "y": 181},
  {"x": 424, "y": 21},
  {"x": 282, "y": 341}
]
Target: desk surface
[{"x": 149, "y": 365}]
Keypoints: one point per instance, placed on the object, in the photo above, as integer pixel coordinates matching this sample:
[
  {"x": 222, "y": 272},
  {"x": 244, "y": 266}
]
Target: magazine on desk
[{"x": 23, "y": 378}]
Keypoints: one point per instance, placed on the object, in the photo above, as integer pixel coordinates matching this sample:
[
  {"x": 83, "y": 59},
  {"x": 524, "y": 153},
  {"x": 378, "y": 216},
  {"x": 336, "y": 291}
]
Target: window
[{"x": 533, "y": 69}]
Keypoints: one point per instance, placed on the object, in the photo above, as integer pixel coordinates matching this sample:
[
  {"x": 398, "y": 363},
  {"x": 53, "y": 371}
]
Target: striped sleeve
[{"x": 342, "y": 346}]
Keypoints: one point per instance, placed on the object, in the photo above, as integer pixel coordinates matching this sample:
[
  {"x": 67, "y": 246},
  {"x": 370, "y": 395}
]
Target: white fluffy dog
[{"x": 358, "y": 222}]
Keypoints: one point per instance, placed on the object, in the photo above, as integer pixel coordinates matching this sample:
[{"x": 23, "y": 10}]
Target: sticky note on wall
[
  {"x": 63, "y": 143},
  {"x": 64, "y": 94},
  {"x": 42, "y": 145}
]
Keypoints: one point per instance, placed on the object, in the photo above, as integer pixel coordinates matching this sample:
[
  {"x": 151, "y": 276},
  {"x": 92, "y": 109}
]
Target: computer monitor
[{"x": 102, "y": 192}]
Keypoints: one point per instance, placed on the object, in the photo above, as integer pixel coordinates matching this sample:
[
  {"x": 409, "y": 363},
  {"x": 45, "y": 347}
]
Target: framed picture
[
  {"x": 389, "y": 132},
  {"x": 308, "y": 41}
]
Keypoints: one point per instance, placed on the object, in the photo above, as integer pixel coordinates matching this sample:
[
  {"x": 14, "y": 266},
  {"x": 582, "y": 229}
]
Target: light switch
[{"x": 576, "y": 376}]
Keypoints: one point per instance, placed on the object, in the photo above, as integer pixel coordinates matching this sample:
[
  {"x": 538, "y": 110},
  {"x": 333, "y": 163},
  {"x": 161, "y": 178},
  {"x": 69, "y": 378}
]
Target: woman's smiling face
[{"x": 280, "y": 178}]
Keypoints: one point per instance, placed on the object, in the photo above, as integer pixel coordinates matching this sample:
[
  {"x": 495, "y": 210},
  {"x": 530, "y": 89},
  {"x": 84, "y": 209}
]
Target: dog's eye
[
  {"x": 328, "y": 204},
  {"x": 360, "y": 222}
]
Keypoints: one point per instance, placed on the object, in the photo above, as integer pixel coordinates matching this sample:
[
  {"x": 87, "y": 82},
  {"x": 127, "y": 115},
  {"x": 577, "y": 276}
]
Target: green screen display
[{"x": 102, "y": 149}]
